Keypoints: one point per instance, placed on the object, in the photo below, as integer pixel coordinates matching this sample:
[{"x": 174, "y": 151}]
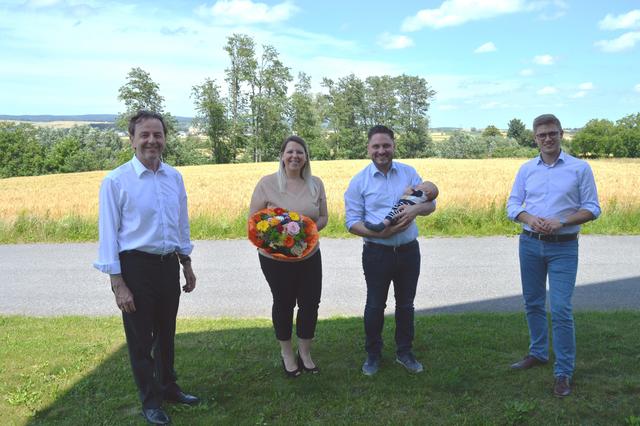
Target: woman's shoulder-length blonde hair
[{"x": 305, "y": 173}]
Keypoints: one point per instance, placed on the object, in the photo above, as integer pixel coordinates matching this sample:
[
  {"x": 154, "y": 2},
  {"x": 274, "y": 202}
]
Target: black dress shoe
[
  {"x": 291, "y": 374},
  {"x": 183, "y": 398},
  {"x": 314, "y": 370},
  {"x": 527, "y": 362},
  {"x": 155, "y": 416}
]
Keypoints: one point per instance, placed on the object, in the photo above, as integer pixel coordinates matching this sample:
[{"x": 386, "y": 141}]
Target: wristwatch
[{"x": 184, "y": 259}]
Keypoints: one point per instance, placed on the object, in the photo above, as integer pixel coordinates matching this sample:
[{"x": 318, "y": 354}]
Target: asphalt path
[{"x": 458, "y": 275}]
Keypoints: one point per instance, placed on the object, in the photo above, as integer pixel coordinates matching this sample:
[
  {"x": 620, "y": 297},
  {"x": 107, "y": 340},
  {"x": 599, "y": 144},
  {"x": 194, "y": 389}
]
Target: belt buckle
[{"x": 540, "y": 236}]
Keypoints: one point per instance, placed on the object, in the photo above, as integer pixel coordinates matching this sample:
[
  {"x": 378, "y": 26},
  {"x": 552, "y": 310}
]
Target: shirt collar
[
  {"x": 140, "y": 168},
  {"x": 373, "y": 170},
  {"x": 561, "y": 157}
]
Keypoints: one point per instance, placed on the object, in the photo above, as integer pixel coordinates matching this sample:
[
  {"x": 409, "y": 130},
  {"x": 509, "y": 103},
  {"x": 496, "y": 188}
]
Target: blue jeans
[
  {"x": 558, "y": 261},
  {"x": 382, "y": 265}
]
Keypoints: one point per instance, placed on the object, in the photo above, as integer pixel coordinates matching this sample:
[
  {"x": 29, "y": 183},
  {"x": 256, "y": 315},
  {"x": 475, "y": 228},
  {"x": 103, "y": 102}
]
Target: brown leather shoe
[
  {"x": 527, "y": 362},
  {"x": 562, "y": 387}
]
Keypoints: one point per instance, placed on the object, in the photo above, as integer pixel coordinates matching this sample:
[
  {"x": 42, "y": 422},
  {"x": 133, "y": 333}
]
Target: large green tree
[
  {"x": 305, "y": 118},
  {"x": 414, "y": 96},
  {"x": 211, "y": 119},
  {"x": 20, "y": 152},
  {"x": 629, "y": 132},
  {"x": 517, "y": 130},
  {"x": 240, "y": 75},
  {"x": 346, "y": 116},
  {"x": 490, "y": 131},
  {"x": 269, "y": 105},
  {"x": 140, "y": 92},
  {"x": 598, "y": 138}
]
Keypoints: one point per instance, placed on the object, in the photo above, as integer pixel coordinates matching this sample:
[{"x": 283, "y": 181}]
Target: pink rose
[{"x": 292, "y": 228}]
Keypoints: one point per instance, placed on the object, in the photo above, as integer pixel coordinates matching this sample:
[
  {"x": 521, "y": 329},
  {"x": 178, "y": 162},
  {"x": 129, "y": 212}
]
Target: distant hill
[
  {"x": 183, "y": 122},
  {"x": 46, "y": 118}
]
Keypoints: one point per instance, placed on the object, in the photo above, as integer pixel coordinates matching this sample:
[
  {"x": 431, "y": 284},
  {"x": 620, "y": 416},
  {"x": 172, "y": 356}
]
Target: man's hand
[
  {"x": 552, "y": 225},
  {"x": 124, "y": 297},
  {"x": 190, "y": 277},
  {"x": 537, "y": 224}
]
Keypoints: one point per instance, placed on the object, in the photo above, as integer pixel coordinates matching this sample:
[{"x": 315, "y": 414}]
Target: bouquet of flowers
[{"x": 283, "y": 233}]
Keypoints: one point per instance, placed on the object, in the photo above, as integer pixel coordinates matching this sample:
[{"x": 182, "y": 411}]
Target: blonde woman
[{"x": 294, "y": 281}]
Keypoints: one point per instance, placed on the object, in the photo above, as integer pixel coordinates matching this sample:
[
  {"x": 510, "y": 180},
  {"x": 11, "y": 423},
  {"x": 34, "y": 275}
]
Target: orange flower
[{"x": 289, "y": 241}]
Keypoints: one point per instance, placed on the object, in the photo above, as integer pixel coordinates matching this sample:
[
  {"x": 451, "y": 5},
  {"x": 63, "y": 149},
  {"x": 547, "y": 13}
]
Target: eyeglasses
[{"x": 551, "y": 135}]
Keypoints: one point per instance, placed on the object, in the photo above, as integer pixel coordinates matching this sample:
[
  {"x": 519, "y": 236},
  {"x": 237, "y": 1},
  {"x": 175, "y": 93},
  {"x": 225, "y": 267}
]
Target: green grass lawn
[
  {"x": 445, "y": 222},
  {"x": 75, "y": 371}
]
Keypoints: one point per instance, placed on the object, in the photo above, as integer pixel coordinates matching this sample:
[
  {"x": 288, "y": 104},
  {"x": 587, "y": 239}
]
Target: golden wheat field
[{"x": 225, "y": 190}]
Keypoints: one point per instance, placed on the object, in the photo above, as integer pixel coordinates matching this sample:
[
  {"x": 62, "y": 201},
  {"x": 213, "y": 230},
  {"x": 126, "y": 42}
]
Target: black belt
[
  {"x": 156, "y": 257},
  {"x": 553, "y": 238},
  {"x": 397, "y": 249}
]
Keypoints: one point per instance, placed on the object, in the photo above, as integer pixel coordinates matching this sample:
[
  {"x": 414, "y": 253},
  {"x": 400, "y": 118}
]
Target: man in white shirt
[
  {"x": 389, "y": 255},
  {"x": 552, "y": 195},
  {"x": 144, "y": 236}
]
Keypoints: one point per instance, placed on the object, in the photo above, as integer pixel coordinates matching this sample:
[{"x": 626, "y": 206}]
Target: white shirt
[
  {"x": 141, "y": 210},
  {"x": 371, "y": 194}
]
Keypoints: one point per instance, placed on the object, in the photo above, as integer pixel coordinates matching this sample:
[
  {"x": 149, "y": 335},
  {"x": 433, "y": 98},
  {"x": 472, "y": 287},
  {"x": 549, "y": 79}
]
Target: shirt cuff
[
  {"x": 108, "y": 268},
  {"x": 512, "y": 215}
]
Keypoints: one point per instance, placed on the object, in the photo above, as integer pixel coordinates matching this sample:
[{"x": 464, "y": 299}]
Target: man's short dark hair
[
  {"x": 145, "y": 115},
  {"x": 546, "y": 119},
  {"x": 379, "y": 128}
]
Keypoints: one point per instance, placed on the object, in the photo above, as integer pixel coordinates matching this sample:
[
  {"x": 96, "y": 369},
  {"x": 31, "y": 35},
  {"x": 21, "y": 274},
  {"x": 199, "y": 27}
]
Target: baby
[{"x": 424, "y": 192}]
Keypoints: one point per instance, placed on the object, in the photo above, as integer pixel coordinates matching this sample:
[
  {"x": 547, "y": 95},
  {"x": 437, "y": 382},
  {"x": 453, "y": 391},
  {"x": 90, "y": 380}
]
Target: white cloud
[
  {"x": 543, "y": 60},
  {"x": 580, "y": 94},
  {"x": 449, "y": 107},
  {"x": 586, "y": 86},
  {"x": 36, "y": 4},
  {"x": 390, "y": 41},
  {"x": 457, "y": 12},
  {"x": 491, "y": 105},
  {"x": 558, "y": 8},
  {"x": 486, "y": 48},
  {"x": 547, "y": 90},
  {"x": 247, "y": 12},
  {"x": 458, "y": 89},
  {"x": 637, "y": 87},
  {"x": 625, "y": 21},
  {"x": 625, "y": 42},
  {"x": 526, "y": 72}
]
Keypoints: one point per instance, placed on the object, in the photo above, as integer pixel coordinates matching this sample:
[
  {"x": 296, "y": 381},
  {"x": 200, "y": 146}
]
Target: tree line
[{"x": 249, "y": 123}]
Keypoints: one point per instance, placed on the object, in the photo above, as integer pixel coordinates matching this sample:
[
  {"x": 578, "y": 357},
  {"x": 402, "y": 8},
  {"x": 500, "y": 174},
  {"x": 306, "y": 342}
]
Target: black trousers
[
  {"x": 291, "y": 283},
  {"x": 150, "y": 330}
]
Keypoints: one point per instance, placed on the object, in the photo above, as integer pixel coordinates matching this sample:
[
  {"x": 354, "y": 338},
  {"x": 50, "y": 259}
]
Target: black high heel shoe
[
  {"x": 314, "y": 370},
  {"x": 291, "y": 374}
]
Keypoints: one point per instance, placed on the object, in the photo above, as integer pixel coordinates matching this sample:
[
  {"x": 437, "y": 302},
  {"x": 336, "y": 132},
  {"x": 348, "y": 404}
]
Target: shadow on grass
[
  {"x": 619, "y": 294},
  {"x": 234, "y": 366}
]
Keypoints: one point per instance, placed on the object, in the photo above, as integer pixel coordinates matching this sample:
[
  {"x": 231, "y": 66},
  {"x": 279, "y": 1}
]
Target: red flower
[{"x": 278, "y": 211}]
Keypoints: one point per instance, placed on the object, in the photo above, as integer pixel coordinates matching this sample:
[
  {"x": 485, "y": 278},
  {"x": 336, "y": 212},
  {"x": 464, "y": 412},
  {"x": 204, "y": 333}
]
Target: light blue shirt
[
  {"x": 371, "y": 195},
  {"x": 554, "y": 191},
  {"x": 141, "y": 210}
]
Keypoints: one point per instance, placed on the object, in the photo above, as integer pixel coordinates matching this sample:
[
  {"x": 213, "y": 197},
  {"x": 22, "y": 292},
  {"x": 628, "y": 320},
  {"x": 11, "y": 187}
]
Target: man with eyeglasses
[{"x": 553, "y": 194}]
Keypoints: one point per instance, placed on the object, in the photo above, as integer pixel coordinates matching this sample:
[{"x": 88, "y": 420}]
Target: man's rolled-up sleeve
[
  {"x": 589, "y": 193},
  {"x": 516, "y": 198},
  {"x": 353, "y": 205},
  {"x": 108, "y": 225}
]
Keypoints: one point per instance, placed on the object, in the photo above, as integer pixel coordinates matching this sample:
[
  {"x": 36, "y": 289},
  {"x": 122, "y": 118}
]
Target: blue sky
[{"x": 489, "y": 61}]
